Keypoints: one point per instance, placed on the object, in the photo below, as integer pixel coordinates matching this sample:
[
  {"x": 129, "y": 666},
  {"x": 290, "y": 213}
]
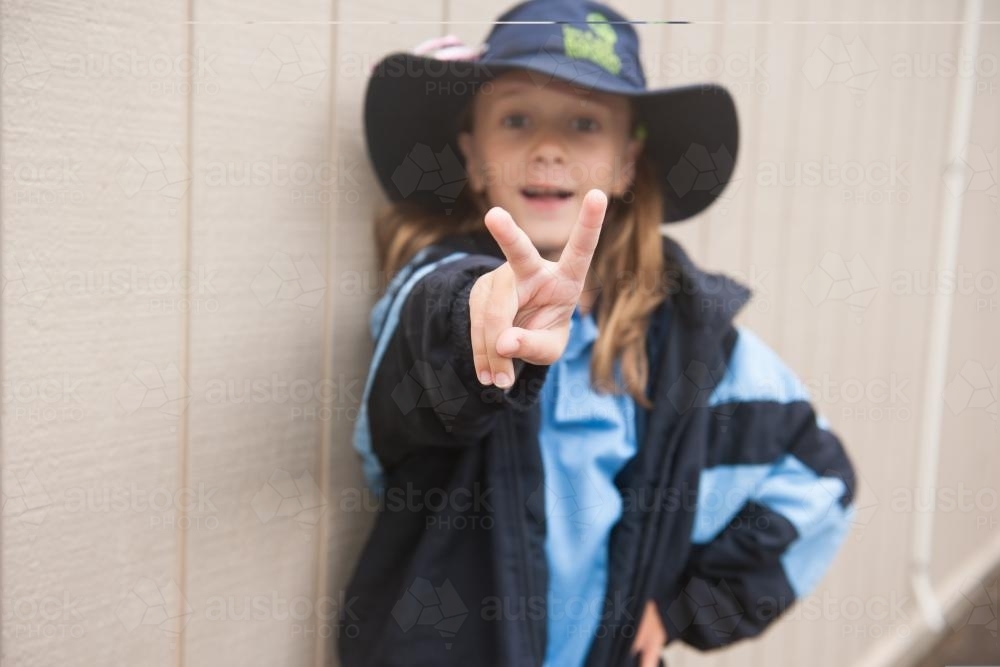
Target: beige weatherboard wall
[{"x": 187, "y": 272}]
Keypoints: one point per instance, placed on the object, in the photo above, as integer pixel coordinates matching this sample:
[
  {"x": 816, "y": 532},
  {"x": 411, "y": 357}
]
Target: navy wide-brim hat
[{"x": 413, "y": 103}]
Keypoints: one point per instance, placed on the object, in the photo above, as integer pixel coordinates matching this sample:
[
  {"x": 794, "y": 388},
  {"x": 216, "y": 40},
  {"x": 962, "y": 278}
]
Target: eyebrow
[{"x": 509, "y": 92}]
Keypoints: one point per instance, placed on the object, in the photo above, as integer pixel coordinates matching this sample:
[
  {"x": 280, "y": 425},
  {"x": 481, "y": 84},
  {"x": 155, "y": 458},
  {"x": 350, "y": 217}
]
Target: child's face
[{"x": 536, "y": 151}]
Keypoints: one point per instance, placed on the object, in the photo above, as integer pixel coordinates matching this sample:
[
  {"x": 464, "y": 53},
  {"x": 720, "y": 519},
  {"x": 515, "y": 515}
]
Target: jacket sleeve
[
  {"x": 774, "y": 504},
  {"x": 422, "y": 388}
]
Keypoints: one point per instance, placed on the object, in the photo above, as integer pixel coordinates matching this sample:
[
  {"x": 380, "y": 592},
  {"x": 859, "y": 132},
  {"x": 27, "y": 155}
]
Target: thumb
[{"x": 542, "y": 346}]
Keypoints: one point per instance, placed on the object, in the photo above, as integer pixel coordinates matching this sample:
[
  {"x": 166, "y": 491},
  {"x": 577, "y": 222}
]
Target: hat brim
[{"x": 412, "y": 105}]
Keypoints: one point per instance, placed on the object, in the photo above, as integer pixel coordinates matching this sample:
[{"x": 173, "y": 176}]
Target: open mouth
[{"x": 546, "y": 194}]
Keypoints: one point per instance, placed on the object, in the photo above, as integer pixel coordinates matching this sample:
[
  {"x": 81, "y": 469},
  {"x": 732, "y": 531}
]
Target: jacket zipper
[{"x": 645, "y": 572}]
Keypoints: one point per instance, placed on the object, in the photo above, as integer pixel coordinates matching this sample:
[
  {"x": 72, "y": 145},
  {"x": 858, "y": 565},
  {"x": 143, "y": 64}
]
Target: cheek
[
  {"x": 493, "y": 159},
  {"x": 598, "y": 171}
]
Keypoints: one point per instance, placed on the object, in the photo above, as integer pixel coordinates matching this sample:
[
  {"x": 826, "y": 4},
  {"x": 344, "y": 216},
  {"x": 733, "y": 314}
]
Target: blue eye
[
  {"x": 515, "y": 120},
  {"x": 585, "y": 124}
]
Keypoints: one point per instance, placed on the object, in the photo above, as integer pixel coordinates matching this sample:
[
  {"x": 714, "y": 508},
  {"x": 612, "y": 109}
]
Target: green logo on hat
[{"x": 596, "y": 44}]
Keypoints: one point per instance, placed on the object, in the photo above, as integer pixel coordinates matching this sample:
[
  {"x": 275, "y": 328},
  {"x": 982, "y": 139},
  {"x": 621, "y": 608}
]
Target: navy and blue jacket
[{"x": 733, "y": 508}]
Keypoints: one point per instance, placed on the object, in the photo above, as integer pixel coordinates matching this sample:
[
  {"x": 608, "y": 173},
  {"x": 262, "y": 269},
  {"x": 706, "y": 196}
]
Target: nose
[
  {"x": 546, "y": 158},
  {"x": 548, "y": 150}
]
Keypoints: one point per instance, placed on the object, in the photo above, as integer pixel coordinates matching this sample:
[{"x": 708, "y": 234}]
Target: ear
[
  {"x": 623, "y": 178},
  {"x": 472, "y": 165}
]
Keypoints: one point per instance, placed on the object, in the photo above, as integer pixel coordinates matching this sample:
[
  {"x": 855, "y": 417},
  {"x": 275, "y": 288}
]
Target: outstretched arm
[{"x": 452, "y": 331}]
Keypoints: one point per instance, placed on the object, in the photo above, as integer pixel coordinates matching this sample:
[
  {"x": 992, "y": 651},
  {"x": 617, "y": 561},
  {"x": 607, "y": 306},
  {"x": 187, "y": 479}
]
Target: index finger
[
  {"x": 520, "y": 252},
  {"x": 579, "y": 251}
]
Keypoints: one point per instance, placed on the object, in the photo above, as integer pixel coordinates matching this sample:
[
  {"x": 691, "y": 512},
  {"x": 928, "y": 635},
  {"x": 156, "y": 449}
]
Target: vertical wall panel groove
[
  {"x": 322, "y": 650},
  {"x": 183, "y": 441}
]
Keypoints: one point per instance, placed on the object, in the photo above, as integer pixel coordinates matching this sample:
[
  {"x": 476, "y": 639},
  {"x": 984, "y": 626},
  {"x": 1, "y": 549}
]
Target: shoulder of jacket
[
  {"x": 755, "y": 371},
  {"x": 706, "y": 298}
]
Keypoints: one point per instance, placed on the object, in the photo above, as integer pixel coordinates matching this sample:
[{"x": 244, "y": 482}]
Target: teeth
[{"x": 536, "y": 192}]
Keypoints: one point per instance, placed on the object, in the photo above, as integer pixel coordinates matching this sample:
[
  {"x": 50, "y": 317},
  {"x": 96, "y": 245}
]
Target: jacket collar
[{"x": 706, "y": 299}]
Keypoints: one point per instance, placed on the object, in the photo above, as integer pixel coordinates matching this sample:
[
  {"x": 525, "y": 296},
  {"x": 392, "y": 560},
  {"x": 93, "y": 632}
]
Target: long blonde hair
[{"x": 628, "y": 266}]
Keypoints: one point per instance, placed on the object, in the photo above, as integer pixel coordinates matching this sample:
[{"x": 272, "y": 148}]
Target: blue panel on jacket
[
  {"x": 383, "y": 322},
  {"x": 755, "y": 372},
  {"x": 810, "y": 502}
]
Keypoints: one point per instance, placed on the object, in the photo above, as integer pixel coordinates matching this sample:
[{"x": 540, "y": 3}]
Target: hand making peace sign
[{"x": 522, "y": 309}]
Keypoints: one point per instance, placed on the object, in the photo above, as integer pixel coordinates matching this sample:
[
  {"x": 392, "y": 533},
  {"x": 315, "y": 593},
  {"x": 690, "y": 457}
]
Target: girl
[{"x": 581, "y": 458}]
